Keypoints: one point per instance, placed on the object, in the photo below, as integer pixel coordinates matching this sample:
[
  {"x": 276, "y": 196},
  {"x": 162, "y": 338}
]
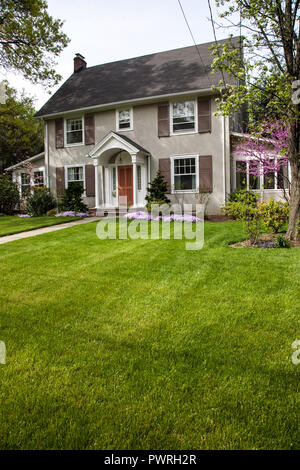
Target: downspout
[
  {"x": 47, "y": 153},
  {"x": 149, "y": 169},
  {"x": 224, "y": 157}
]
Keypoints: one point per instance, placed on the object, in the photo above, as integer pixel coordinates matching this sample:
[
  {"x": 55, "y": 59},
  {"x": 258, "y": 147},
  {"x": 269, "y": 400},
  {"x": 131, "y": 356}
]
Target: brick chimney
[{"x": 79, "y": 63}]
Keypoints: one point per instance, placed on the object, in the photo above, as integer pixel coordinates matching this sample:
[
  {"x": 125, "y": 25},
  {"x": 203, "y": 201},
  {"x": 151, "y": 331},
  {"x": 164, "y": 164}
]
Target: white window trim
[
  {"x": 261, "y": 178},
  {"x": 130, "y": 128},
  {"x": 184, "y": 191},
  {"x": 66, "y": 175},
  {"x": 195, "y": 131},
  {"x": 76, "y": 144}
]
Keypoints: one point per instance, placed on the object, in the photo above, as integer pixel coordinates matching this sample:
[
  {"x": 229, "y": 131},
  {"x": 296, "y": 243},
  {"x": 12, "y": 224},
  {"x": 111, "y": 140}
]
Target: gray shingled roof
[{"x": 163, "y": 73}]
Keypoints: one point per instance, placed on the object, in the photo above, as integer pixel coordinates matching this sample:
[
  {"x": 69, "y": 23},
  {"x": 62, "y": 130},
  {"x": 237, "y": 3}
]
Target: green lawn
[
  {"x": 123, "y": 344},
  {"x": 13, "y": 224}
]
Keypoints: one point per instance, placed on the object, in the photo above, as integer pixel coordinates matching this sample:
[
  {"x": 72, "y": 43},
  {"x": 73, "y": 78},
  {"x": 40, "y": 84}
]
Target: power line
[
  {"x": 215, "y": 36},
  {"x": 192, "y": 36}
]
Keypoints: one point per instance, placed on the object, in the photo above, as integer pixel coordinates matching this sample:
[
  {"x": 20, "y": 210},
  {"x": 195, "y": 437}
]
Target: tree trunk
[{"x": 294, "y": 159}]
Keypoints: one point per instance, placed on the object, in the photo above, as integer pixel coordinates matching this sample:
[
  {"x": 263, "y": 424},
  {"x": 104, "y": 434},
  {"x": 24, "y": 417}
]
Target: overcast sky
[{"x": 108, "y": 30}]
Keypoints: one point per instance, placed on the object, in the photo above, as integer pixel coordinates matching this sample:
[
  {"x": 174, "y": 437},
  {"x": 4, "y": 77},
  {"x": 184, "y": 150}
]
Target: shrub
[
  {"x": 249, "y": 197},
  {"x": 40, "y": 201},
  {"x": 275, "y": 214},
  {"x": 164, "y": 204},
  {"x": 156, "y": 192},
  {"x": 72, "y": 200},
  {"x": 251, "y": 217},
  {"x": 282, "y": 242},
  {"x": 238, "y": 198},
  {"x": 9, "y": 195}
]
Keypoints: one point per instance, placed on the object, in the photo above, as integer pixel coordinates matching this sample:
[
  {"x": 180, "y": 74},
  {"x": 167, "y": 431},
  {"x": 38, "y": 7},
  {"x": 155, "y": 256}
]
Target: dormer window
[
  {"x": 124, "y": 119},
  {"x": 74, "y": 131},
  {"x": 183, "y": 117}
]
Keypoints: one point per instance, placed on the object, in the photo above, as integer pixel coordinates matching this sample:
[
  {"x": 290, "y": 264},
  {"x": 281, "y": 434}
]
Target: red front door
[{"x": 125, "y": 183}]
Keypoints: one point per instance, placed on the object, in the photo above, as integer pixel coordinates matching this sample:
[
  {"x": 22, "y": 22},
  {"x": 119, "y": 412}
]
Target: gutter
[{"x": 205, "y": 91}]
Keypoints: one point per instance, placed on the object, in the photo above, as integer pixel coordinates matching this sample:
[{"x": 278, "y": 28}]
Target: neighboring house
[
  {"x": 112, "y": 126},
  {"x": 29, "y": 172}
]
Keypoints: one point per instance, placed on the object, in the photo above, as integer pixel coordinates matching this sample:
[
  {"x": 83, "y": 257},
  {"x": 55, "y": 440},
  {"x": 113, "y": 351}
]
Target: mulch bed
[
  {"x": 218, "y": 218},
  {"x": 265, "y": 237}
]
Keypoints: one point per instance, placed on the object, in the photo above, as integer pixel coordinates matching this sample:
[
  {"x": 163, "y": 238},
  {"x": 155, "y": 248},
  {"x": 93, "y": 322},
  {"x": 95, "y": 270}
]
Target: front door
[{"x": 125, "y": 183}]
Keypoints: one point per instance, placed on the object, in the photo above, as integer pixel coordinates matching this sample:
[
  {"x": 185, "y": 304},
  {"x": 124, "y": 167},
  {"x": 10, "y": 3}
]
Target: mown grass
[
  {"x": 140, "y": 344},
  {"x": 13, "y": 224}
]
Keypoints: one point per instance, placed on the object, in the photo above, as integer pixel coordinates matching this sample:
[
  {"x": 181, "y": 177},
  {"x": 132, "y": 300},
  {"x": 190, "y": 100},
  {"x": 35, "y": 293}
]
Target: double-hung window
[
  {"x": 38, "y": 178},
  {"x": 185, "y": 173},
  {"x": 25, "y": 184},
  {"x": 74, "y": 131},
  {"x": 75, "y": 174},
  {"x": 183, "y": 117},
  {"x": 124, "y": 119}
]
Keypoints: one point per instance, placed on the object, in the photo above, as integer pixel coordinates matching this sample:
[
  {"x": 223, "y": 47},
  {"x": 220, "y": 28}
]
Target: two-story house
[{"x": 112, "y": 126}]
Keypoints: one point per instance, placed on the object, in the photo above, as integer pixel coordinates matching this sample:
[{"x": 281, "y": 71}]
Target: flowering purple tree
[{"x": 266, "y": 150}]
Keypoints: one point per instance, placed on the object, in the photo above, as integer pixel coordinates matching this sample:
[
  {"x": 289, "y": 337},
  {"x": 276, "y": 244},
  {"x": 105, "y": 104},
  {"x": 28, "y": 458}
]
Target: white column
[
  {"x": 133, "y": 158},
  {"x": 96, "y": 184},
  {"x": 102, "y": 186}
]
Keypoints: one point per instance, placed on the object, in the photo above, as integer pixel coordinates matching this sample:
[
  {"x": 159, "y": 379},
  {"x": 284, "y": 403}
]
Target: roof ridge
[{"x": 161, "y": 52}]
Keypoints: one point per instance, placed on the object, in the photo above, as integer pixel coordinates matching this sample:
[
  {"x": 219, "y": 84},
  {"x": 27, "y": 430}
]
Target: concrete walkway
[{"x": 40, "y": 231}]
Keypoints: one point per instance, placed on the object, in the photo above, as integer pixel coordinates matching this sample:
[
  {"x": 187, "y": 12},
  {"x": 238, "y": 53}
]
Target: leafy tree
[
  {"x": 30, "y": 39},
  {"x": 270, "y": 72},
  {"x": 21, "y": 136},
  {"x": 9, "y": 195},
  {"x": 157, "y": 190}
]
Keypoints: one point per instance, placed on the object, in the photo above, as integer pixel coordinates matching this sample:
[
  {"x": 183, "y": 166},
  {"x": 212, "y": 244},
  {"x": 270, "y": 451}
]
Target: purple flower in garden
[
  {"x": 140, "y": 215},
  {"x": 72, "y": 214}
]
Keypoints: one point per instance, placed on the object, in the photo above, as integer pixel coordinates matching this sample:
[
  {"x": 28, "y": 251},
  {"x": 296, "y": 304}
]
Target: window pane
[
  {"x": 282, "y": 177},
  {"x": 74, "y": 131},
  {"x": 185, "y": 182},
  {"x": 114, "y": 174},
  {"x": 25, "y": 178},
  {"x": 139, "y": 177},
  {"x": 240, "y": 176},
  {"x": 254, "y": 180},
  {"x": 75, "y": 173},
  {"x": 183, "y": 116},
  {"x": 74, "y": 137},
  {"x": 124, "y": 119},
  {"x": 38, "y": 178},
  {"x": 184, "y": 166}
]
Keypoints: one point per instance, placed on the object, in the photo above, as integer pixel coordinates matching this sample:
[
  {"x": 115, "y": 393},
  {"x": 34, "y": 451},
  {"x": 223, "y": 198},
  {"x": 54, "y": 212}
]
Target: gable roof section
[
  {"x": 119, "y": 141},
  {"x": 161, "y": 74},
  {"x": 31, "y": 159}
]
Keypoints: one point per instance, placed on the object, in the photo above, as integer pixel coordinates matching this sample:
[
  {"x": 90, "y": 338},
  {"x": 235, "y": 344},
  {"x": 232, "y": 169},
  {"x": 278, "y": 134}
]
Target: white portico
[{"x": 122, "y": 168}]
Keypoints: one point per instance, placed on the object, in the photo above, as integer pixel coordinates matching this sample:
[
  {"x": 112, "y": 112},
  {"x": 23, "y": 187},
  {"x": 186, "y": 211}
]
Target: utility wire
[
  {"x": 192, "y": 36},
  {"x": 215, "y": 37}
]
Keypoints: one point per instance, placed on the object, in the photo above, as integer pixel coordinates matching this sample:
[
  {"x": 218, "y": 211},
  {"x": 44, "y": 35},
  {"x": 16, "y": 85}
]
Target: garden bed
[{"x": 266, "y": 240}]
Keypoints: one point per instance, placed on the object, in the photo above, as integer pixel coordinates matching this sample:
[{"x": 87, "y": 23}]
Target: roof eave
[
  {"x": 102, "y": 107},
  {"x": 31, "y": 159}
]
